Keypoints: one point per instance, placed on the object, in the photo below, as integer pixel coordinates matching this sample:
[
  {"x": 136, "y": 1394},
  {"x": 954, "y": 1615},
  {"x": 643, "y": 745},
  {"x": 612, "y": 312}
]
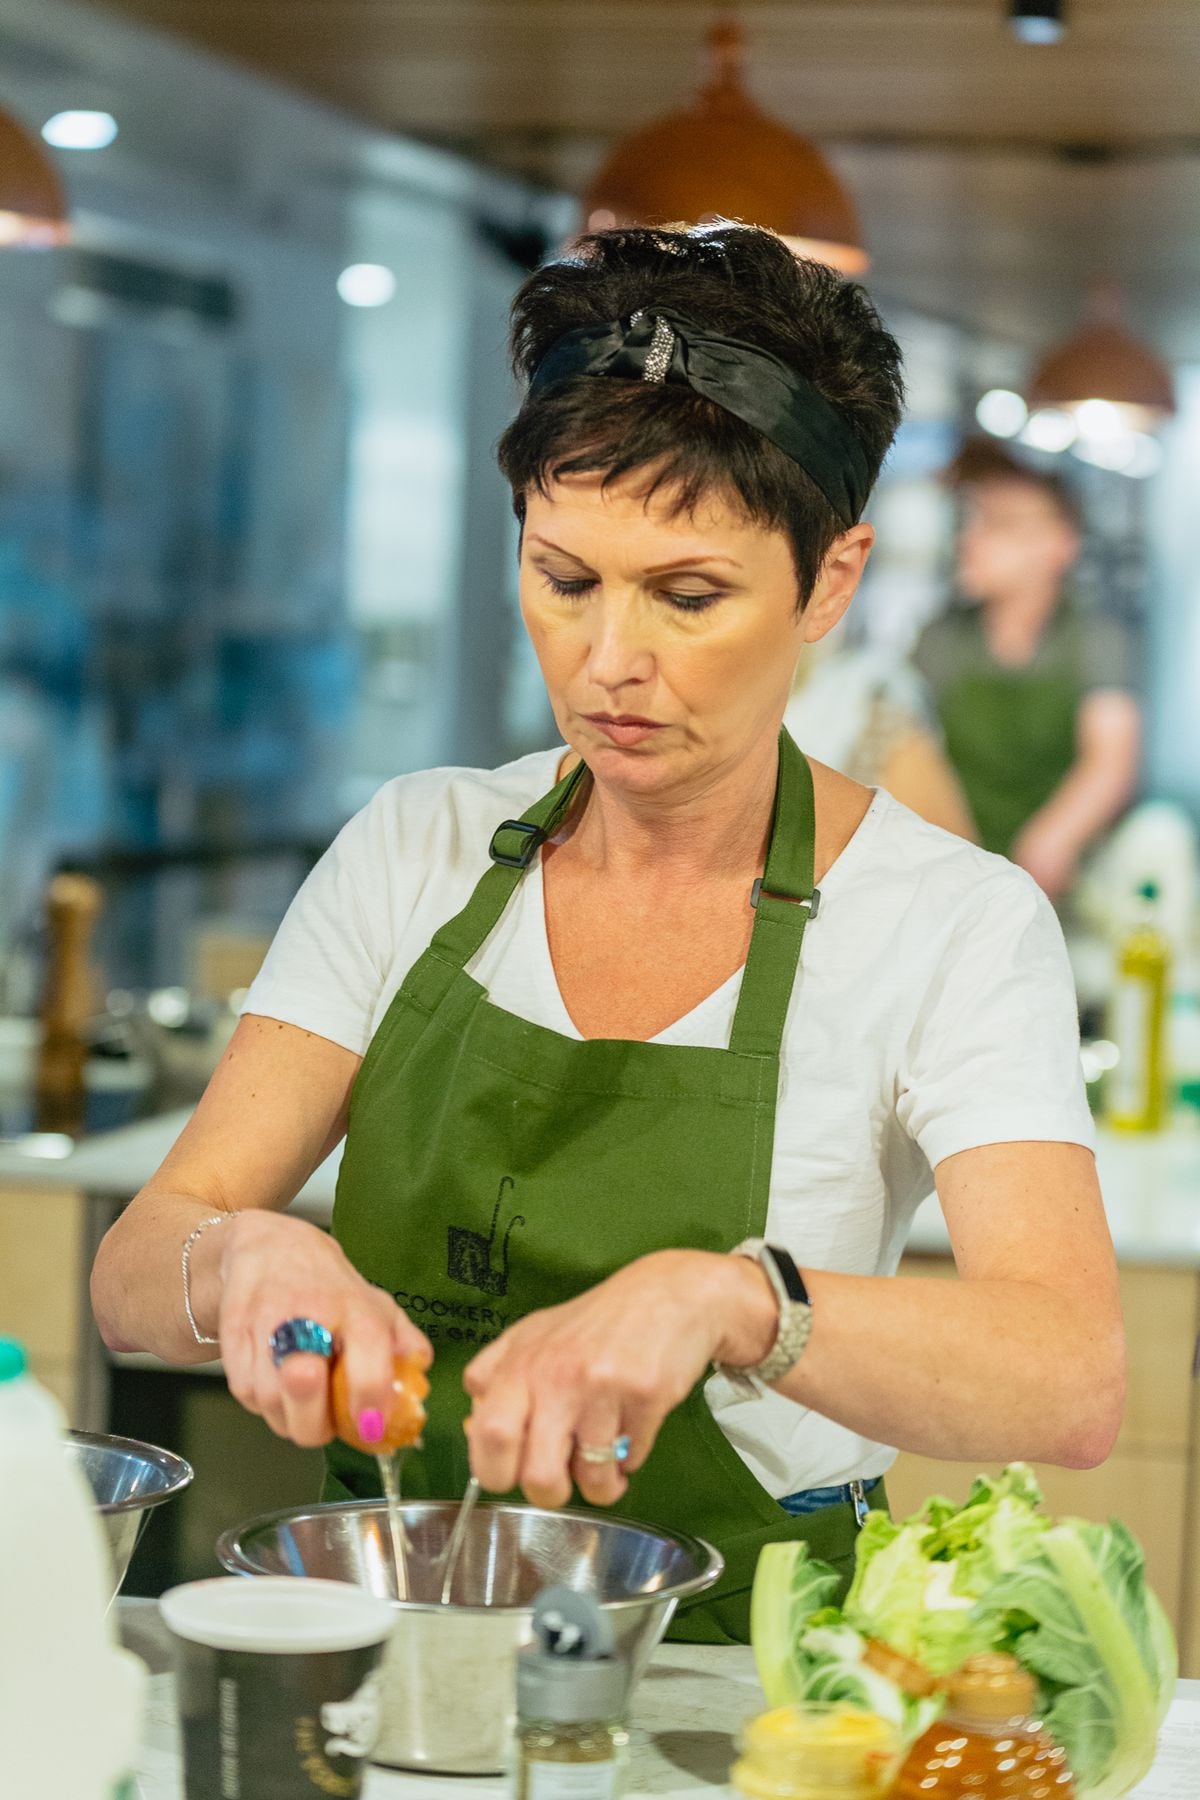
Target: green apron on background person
[
  {"x": 494, "y": 1167},
  {"x": 1011, "y": 737}
]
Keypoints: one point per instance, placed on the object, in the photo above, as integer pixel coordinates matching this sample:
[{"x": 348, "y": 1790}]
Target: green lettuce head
[{"x": 1069, "y": 1600}]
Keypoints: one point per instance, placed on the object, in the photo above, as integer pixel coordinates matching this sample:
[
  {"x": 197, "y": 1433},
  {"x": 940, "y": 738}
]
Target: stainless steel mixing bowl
[
  {"x": 448, "y": 1675},
  {"x": 127, "y": 1479}
]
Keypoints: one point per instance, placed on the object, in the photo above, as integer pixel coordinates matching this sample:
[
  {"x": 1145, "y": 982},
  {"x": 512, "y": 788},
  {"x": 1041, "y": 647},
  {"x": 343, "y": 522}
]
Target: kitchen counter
[
  {"x": 690, "y": 1704},
  {"x": 1151, "y": 1186},
  {"x": 688, "y": 1708}
]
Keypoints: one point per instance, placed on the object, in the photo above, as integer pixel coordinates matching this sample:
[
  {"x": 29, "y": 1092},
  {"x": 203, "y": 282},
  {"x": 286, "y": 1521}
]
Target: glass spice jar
[{"x": 571, "y": 1740}]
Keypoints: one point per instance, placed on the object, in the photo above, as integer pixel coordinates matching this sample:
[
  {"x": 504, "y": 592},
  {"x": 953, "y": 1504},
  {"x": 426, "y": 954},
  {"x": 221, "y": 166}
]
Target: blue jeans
[{"x": 811, "y": 1500}]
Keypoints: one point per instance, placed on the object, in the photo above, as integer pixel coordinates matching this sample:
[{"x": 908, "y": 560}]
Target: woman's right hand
[{"x": 274, "y": 1268}]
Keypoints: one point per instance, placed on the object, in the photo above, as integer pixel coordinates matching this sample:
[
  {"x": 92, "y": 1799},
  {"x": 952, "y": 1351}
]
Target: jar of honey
[
  {"x": 815, "y": 1751},
  {"x": 987, "y": 1745}
]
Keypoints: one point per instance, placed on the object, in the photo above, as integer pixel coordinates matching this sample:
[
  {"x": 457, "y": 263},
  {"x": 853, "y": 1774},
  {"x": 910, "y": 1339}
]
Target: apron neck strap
[
  {"x": 514, "y": 845},
  {"x": 784, "y": 901}
]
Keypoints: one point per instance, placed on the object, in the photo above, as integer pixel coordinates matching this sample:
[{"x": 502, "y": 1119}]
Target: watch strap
[{"x": 795, "y": 1319}]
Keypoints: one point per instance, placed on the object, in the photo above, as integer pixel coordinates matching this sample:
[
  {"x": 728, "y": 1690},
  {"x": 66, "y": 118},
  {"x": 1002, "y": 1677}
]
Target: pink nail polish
[{"x": 370, "y": 1425}]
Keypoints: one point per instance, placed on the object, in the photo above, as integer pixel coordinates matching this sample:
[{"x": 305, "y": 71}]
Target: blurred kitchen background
[{"x": 255, "y": 559}]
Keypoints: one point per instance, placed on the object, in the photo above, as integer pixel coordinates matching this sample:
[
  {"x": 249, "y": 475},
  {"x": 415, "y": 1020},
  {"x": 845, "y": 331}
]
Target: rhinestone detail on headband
[{"x": 662, "y": 345}]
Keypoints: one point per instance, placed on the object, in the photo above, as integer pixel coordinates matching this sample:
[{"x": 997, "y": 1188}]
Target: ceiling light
[
  {"x": 366, "y": 284},
  {"x": 1002, "y": 413},
  {"x": 33, "y": 208},
  {"x": 1049, "y": 430},
  {"x": 1037, "y": 21},
  {"x": 1100, "y": 419},
  {"x": 80, "y": 130},
  {"x": 1103, "y": 362},
  {"x": 721, "y": 156}
]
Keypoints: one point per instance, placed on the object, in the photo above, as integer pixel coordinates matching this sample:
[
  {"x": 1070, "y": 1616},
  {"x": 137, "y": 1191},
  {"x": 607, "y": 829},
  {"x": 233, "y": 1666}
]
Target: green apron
[
  {"x": 494, "y": 1167},
  {"x": 1011, "y": 737}
]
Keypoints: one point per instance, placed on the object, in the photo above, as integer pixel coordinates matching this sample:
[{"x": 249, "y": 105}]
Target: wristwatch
[{"x": 795, "y": 1319}]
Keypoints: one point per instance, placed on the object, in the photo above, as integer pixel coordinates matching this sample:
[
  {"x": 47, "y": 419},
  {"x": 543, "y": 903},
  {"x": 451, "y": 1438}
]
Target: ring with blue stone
[
  {"x": 616, "y": 1452},
  {"x": 297, "y": 1337}
]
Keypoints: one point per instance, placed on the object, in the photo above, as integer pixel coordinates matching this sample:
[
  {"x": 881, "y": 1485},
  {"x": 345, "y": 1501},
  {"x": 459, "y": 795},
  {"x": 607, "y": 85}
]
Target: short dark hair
[
  {"x": 734, "y": 280},
  {"x": 983, "y": 462}
]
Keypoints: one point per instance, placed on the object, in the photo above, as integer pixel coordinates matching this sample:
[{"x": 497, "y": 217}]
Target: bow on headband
[{"x": 752, "y": 383}]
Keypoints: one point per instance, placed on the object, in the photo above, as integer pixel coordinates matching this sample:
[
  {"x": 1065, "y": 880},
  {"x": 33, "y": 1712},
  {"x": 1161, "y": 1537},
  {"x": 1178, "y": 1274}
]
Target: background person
[{"x": 1036, "y": 697}]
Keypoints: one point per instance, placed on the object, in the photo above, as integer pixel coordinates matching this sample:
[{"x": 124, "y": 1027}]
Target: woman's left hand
[{"x": 611, "y": 1363}]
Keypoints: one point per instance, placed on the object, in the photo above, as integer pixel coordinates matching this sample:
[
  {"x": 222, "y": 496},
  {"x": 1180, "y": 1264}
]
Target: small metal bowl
[
  {"x": 126, "y": 1479},
  {"x": 449, "y": 1677}
]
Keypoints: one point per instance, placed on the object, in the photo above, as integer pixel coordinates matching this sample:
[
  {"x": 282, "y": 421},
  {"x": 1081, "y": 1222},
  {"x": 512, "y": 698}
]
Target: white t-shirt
[{"x": 933, "y": 1012}]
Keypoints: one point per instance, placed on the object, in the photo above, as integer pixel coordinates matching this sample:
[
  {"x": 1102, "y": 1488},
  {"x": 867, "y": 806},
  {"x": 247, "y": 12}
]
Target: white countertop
[
  {"x": 687, "y": 1710},
  {"x": 1151, "y": 1185}
]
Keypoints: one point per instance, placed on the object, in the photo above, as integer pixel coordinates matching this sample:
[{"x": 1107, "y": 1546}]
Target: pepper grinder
[
  {"x": 571, "y": 1694},
  {"x": 73, "y": 904}
]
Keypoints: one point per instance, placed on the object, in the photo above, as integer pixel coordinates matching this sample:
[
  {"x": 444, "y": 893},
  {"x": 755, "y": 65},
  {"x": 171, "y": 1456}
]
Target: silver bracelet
[{"x": 185, "y": 1263}]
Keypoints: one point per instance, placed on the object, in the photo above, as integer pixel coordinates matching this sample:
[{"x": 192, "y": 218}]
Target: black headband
[{"x": 747, "y": 381}]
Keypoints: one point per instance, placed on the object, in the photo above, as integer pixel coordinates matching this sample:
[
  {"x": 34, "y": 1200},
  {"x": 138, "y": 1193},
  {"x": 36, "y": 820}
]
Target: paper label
[{"x": 571, "y": 1781}]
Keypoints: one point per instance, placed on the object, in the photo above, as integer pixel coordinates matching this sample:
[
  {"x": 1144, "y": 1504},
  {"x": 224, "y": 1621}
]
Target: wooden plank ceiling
[{"x": 993, "y": 177}]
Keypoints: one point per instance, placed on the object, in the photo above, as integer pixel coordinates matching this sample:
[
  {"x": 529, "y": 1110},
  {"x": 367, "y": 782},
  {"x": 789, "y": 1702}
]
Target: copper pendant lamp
[
  {"x": 722, "y": 156},
  {"x": 33, "y": 207},
  {"x": 1104, "y": 365}
]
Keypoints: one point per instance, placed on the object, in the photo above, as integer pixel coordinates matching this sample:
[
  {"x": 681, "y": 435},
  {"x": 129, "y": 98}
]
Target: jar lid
[
  {"x": 561, "y": 1691},
  {"x": 991, "y": 1687},
  {"x": 13, "y": 1361},
  {"x": 570, "y": 1674}
]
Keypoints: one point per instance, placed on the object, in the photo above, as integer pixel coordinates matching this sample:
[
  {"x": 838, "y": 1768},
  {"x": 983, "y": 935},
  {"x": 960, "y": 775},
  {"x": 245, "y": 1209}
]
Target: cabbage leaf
[{"x": 1080, "y": 1617}]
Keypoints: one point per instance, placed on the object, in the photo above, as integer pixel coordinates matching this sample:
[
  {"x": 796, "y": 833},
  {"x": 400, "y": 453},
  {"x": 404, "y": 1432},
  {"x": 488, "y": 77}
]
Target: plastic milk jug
[{"x": 70, "y": 1699}]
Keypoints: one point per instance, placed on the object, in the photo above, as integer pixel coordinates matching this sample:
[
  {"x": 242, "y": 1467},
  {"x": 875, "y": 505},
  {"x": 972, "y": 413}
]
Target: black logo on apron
[{"x": 469, "y": 1253}]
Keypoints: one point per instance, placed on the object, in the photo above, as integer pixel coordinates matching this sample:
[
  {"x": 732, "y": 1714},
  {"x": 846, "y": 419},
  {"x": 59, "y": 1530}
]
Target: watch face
[{"x": 790, "y": 1275}]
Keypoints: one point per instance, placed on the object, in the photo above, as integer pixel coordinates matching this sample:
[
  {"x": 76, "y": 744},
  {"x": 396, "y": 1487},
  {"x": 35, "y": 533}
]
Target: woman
[{"x": 559, "y": 1009}]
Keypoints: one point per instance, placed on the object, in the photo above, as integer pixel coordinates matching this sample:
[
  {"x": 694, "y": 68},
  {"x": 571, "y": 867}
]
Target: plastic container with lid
[
  {"x": 70, "y": 1699},
  {"x": 815, "y": 1751},
  {"x": 987, "y": 1745}
]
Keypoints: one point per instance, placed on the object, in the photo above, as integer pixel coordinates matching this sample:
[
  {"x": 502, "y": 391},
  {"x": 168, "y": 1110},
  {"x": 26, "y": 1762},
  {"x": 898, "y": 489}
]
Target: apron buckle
[
  {"x": 858, "y": 1499},
  {"x": 811, "y": 901},
  {"x": 534, "y": 835}
]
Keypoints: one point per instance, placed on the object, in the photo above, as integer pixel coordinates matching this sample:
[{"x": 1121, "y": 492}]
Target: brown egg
[{"x": 404, "y": 1419}]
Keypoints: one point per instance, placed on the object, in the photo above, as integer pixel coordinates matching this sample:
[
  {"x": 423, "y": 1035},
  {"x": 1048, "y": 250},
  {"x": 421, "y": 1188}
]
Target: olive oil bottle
[{"x": 1137, "y": 1086}]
